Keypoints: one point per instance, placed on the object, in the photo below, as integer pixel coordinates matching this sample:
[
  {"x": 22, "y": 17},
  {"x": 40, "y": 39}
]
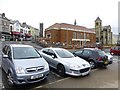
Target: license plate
[
  {"x": 106, "y": 62},
  {"x": 36, "y": 76}
]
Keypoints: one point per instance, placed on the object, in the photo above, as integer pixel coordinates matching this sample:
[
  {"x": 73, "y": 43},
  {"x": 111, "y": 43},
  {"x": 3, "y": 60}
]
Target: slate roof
[
  {"x": 98, "y": 19},
  {"x": 69, "y": 26}
]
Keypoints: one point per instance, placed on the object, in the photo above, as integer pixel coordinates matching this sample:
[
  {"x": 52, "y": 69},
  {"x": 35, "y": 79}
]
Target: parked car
[
  {"x": 23, "y": 64},
  {"x": 115, "y": 50},
  {"x": 94, "y": 56},
  {"x": 65, "y": 62},
  {"x": 110, "y": 57}
]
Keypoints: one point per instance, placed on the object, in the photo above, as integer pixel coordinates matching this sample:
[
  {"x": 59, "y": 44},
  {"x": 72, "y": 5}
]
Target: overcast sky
[{"x": 49, "y": 12}]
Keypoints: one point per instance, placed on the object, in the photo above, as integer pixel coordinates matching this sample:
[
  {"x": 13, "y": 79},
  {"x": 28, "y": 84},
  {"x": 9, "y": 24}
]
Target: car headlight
[
  {"x": 46, "y": 67},
  {"x": 20, "y": 70},
  {"x": 74, "y": 66}
]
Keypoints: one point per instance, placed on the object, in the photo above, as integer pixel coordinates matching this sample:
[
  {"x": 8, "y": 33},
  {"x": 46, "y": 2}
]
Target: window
[
  {"x": 78, "y": 52},
  {"x": 79, "y": 35},
  {"x": 87, "y": 53},
  {"x": 74, "y": 35},
  {"x": 48, "y": 35},
  {"x": 9, "y": 54},
  {"x": 84, "y": 35},
  {"x": 97, "y": 24},
  {"x": 51, "y": 52},
  {"x": 45, "y": 51},
  {"x": 4, "y": 50},
  {"x": 25, "y": 53},
  {"x": 64, "y": 53},
  {"x": 88, "y": 36}
]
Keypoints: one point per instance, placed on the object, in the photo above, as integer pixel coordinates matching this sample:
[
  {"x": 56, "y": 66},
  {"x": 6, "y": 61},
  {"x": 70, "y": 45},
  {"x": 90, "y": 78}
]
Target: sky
[{"x": 50, "y": 12}]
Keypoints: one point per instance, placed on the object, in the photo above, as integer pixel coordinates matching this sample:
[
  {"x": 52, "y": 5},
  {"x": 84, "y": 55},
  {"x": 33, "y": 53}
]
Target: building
[
  {"x": 70, "y": 34},
  {"x": 34, "y": 32},
  {"x": 41, "y": 30},
  {"x": 19, "y": 31},
  {"x": 114, "y": 39},
  {"x": 103, "y": 33},
  {"x": 4, "y": 27}
]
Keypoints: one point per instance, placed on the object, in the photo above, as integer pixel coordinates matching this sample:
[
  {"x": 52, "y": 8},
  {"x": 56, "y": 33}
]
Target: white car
[
  {"x": 110, "y": 57},
  {"x": 65, "y": 62}
]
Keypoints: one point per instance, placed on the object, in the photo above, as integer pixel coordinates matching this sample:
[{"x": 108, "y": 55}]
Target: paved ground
[{"x": 98, "y": 78}]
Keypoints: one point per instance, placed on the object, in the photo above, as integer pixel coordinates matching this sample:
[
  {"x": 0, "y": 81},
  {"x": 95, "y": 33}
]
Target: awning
[
  {"x": 16, "y": 33},
  {"x": 80, "y": 39},
  {"x": 28, "y": 35}
]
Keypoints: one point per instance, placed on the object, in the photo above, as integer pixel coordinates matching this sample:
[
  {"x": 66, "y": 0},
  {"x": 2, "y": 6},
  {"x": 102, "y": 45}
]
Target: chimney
[
  {"x": 3, "y": 14},
  {"x": 75, "y": 22}
]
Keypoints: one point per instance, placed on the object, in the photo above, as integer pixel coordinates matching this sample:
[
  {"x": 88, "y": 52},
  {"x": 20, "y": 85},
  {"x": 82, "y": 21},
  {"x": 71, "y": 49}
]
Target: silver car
[
  {"x": 65, "y": 62},
  {"x": 23, "y": 64}
]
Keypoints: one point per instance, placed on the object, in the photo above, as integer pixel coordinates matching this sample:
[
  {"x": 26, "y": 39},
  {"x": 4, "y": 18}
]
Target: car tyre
[
  {"x": 10, "y": 79},
  {"x": 92, "y": 64},
  {"x": 61, "y": 70}
]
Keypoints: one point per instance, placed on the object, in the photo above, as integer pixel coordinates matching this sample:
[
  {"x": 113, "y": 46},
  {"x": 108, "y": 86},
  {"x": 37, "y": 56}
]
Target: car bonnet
[
  {"x": 75, "y": 61},
  {"x": 27, "y": 63}
]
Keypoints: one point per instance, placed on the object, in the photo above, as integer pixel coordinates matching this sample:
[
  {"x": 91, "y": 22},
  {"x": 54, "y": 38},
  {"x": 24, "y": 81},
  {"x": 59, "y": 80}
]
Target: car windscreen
[
  {"x": 101, "y": 53},
  {"x": 64, "y": 53},
  {"x": 24, "y": 53}
]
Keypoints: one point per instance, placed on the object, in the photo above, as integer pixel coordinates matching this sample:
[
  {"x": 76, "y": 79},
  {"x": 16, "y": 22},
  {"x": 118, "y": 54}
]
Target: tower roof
[{"x": 98, "y": 19}]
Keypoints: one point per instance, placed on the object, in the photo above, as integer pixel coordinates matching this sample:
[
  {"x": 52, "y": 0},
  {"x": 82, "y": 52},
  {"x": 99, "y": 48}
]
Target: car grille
[
  {"x": 84, "y": 70},
  {"x": 34, "y": 69}
]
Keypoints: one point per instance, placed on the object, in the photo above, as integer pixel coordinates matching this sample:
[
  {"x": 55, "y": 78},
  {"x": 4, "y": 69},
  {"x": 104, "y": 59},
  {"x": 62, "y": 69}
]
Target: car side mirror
[
  {"x": 74, "y": 54},
  {"x": 53, "y": 56},
  {"x": 5, "y": 56}
]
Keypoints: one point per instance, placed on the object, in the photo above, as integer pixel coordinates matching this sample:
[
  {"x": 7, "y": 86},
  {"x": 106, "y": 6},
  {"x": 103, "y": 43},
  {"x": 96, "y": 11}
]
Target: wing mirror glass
[
  {"x": 54, "y": 56},
  {"x": 5, "y": 56}
]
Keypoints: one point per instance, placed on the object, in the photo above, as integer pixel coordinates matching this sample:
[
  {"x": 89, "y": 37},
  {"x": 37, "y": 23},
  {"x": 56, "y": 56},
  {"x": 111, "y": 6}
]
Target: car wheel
[
  {"x": 92, "y": 64},
  {"x": 10, "y": 79},
  {"x": 61, "y": 70}
]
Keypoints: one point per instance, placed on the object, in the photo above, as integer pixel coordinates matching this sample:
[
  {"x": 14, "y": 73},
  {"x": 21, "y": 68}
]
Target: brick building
[{"x": 69, "y": 34}]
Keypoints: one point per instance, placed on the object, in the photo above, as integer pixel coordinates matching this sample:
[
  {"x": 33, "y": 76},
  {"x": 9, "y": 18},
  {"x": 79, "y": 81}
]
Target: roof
[
  {"x": 92, "y": 48},
  {"x": 53, "y": 48},
  {"x": 68, "y": 27},
  {"x": 98, "y": 19},
  {"x": 106, "y": 27},
  {"x": 3, "y": 16},
  {"x": 19, "y": 45}
]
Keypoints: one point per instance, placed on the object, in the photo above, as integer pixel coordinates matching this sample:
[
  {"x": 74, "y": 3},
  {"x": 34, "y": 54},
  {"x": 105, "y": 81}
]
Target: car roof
[
  {"x": 92, "y": 48},
  {"x": 19, "y": 45},
  {"x": 53, "y": 48}
]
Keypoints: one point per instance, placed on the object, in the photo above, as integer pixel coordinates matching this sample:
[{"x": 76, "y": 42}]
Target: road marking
[
  {"x": 55, "y": 74},
  {"x": 52, "y": 82},
  {"x": 59, "y": 80}
]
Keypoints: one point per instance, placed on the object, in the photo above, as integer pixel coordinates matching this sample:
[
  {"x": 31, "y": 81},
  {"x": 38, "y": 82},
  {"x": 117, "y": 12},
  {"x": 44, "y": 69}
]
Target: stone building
[
  {"x": 4, "y": 27},
  {"x": 103, "y": 33}
]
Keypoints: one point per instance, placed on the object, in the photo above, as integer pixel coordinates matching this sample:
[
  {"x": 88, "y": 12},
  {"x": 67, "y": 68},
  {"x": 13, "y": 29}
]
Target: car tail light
[{"x": 100, "y": 58}]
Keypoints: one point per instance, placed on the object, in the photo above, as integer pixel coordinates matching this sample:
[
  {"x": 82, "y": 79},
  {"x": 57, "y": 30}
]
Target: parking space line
[
  {"x": 59, "y": 80},
  {"x": 52, "y": 82},
  {"x": 55, "y": 74}
]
